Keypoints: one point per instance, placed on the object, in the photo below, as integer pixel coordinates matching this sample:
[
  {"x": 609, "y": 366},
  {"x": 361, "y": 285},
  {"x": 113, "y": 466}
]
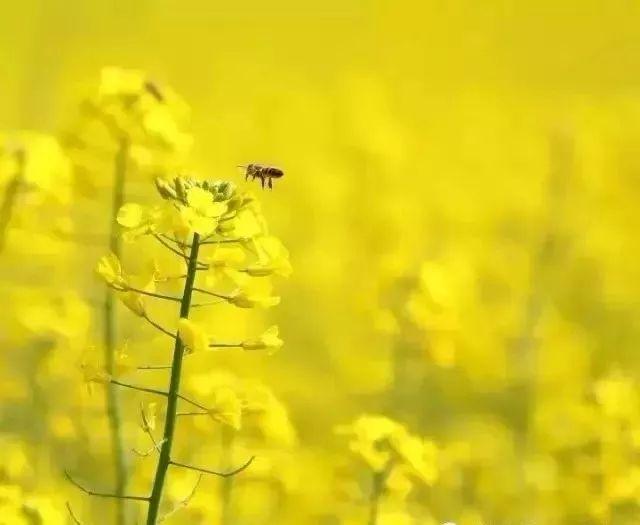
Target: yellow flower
[
  {"x": 161, "y": 122},
  {"x": 267, "y": 414},
  {"x": 134, "y": 301},
  {"x": 94, "y": 374},
  {"x": 42, "y": 163},
  {"x": 118, "y": 82},
  {"x": 381, "y": 442},
  {"x": 417, "y": 453},
  {"x": 398, "y": 483},
  {"x": 122, "y": 362},
  {"x": 397, "y": 518},
  {"x": 223, "y": 263},
  {"x": 242, "y": 300},
  {"x": 227, "y": 408},
  {"x": 245, "y": 224},
  {"x": 136, "y": 220},
  {"x": 202, "y": 212},
  {"x": 110, "y": 270},
  {"x": 174, "y": 221},
  {"x": 130, "y": 215},
  {"x": 370, "y": 435},
  {"x": 617, "y": 395},
  {"x": 273, "y": 258},
  {"x": 201, "y": 201},
  {"x": 193, "y": 336},
  {"x": 149, "y": 416},
  {"x": 92, "y": 370},
  {"x": 269, "y": 340}
]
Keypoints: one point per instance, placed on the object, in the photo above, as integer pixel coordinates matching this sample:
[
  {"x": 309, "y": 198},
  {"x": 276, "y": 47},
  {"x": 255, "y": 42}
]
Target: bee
[{"x": 264, "y": 173}]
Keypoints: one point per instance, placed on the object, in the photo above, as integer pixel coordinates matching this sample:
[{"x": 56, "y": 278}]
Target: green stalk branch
[
  {"x": 101, "y": 494},
  {"x": 139, "y": 388},
  {"x": 174, "y": 390},
  {"x": 10, "y": 197},
  {"x": 110, "y": 328},
  {"x": 168, "y": 246},
  {"x": 148, "y": 294},
  {"x": 228, "y": 474},
  {"x": 73, "y": 517},
  {"x": 192, "y": 402},
  {"x": 226, "y": 486},
  {"x": 377, "y": 492},
  {"x": 213, "y": 294},
  {"x": 160, "y": 328}
]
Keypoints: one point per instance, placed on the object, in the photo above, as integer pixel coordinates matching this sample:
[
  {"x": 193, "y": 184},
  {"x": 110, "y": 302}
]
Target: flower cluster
[
  {"x": 149, "y": 115},
  {"x": 242, "y": 252},
  {"x": 226, "y": 256}
]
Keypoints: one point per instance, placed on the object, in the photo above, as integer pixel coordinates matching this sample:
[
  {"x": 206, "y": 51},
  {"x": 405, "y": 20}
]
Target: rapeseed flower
[
  {"x": 193, "y": 336},
  {"x": 269, "y": 340},
  {"x": 185, "y": 225}
]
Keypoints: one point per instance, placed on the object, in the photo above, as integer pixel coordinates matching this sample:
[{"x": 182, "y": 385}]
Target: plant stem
[
  {"x": 174, "y": 389},
  {"x": 226, "y": 483},
  {"x": 377, "y": 491},
  {"x": 10, "y": 195},
  {"x": 110, "y": 328}
]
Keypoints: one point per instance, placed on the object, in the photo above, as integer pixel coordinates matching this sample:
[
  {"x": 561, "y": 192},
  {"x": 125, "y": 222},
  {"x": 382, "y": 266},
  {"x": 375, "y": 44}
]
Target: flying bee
[{"x": 264, "y": 173}]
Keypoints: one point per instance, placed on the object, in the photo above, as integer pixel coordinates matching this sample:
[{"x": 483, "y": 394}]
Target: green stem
[
  {"x": 377, "y": 491},
  {"x": 227, "y": 483},
  {"x": 174, "y": 390},
  {"x": 110, "y": 328},
  {"x": 10, "y": 195}
]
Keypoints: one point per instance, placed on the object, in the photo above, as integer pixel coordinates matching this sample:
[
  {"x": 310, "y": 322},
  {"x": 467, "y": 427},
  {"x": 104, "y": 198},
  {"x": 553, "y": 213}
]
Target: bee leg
[
  {"x": 270, "y": 183},
  {"x": 262, "y": 182}
]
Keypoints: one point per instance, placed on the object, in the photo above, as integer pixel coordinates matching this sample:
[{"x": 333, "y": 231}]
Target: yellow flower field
[{"x": 430, "y": 316}]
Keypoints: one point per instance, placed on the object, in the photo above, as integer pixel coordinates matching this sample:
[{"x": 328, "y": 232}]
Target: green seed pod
[
  {"x": 181, "y": 190},
  {"x": 223, "y": 190},
  {"x": 165, "y": 189}
]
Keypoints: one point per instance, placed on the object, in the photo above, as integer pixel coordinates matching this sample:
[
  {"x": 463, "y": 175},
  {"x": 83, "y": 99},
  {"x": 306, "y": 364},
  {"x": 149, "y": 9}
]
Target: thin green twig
[
  {"x": 102, "y": 494},
  {"x": 215, "y": 472}
]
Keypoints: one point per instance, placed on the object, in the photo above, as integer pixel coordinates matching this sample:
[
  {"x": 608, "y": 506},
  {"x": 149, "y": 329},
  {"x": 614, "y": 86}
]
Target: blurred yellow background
[{"x": 460, "y": 205}]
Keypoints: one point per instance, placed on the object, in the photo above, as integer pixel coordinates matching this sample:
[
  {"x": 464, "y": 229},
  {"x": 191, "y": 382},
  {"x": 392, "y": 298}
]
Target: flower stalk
[
  {"x": 377, "y": 492},
  {"x": 174, "y": 390},
  {"x": 114, "y": 414},
  {"x": 10, "y": 196},
  {"x": 195, "y": 210},
  {"x": 226, "y": 486}
]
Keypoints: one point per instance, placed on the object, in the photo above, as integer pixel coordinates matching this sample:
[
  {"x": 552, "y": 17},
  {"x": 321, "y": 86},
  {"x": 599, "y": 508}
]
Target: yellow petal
[
  {"x": 269, "y": 340},
  {"x": 193, "y": 336},
  {"x": 227, "y": 408},
  {"x": 110, "y": 270},
  {"x": 134, "y": 301},
  {"x": 131, "y": 215}
]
